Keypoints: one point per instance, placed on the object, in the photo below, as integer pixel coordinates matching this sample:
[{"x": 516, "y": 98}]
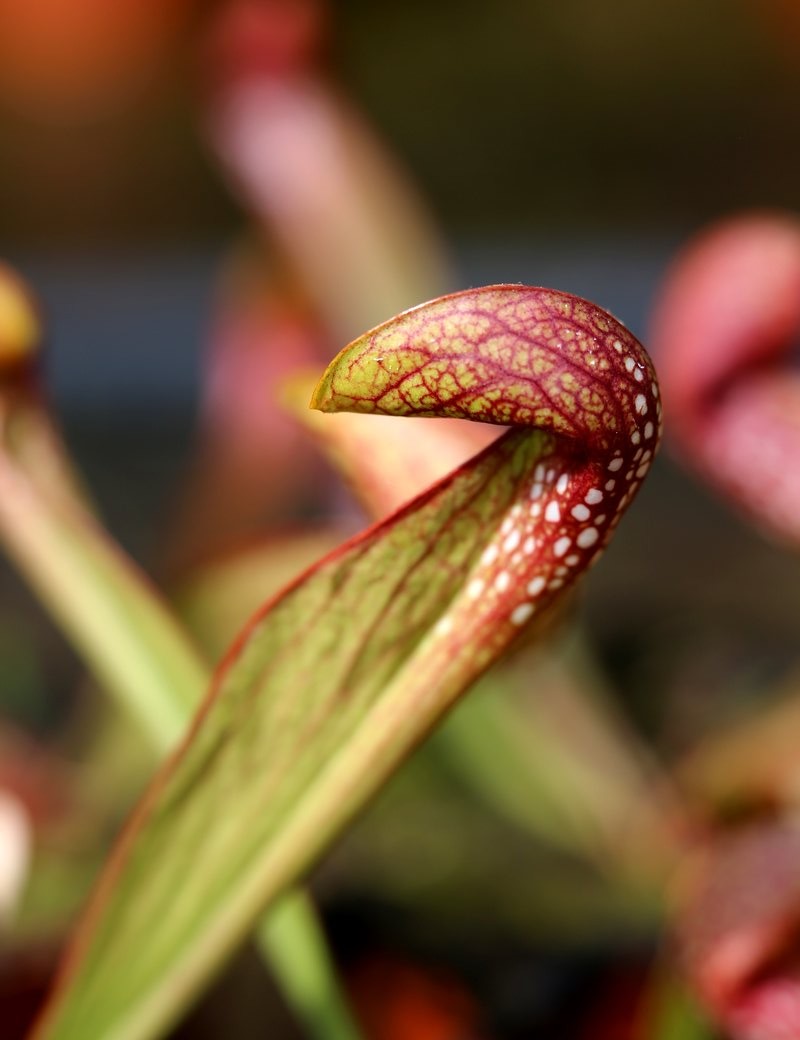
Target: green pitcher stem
[{"x": 293, "y": 942}]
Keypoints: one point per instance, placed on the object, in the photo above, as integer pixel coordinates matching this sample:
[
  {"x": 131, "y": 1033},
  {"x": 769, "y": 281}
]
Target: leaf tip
[{"x": 322, "y": 394}]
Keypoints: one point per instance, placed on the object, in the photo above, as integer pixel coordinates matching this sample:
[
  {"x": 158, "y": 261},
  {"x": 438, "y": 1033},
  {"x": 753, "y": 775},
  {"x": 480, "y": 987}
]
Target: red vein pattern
[{"x": 520, "y": 356}]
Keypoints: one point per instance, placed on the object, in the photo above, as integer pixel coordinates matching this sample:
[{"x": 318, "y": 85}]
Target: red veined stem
[{"x": 552, "y": 719}]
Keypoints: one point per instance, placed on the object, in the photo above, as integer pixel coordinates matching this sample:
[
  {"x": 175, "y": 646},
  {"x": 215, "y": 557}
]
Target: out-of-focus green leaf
[
  {"x": 544, "y": 748},
  {"x": 89, "y": 586},
  {"x": 341, "y": 675},
  {"x": 119, "y": 623},
  {"x": 136, "y": 648}
]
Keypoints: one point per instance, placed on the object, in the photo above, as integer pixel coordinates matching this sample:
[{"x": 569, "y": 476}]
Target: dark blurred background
[
  {"x": 517, "y": 118},
  {"x": 571, "y": 144}
]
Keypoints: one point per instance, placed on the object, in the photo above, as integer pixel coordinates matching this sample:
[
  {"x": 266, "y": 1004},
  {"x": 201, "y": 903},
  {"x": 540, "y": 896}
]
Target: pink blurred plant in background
[{"x": 724, "y": 332}]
